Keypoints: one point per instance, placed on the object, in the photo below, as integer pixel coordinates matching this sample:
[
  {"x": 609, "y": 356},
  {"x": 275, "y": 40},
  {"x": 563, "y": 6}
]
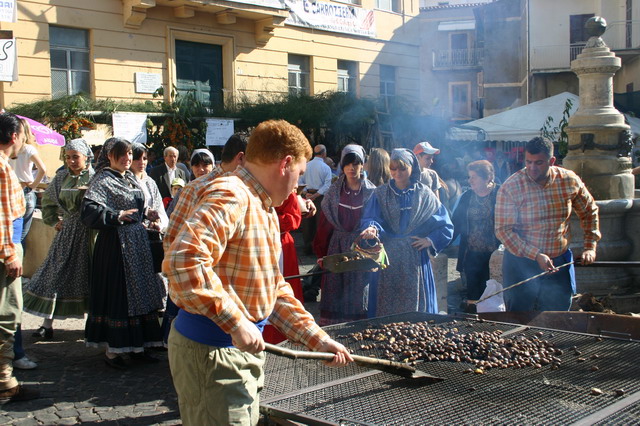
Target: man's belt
[{"x": 311, "y": 191}]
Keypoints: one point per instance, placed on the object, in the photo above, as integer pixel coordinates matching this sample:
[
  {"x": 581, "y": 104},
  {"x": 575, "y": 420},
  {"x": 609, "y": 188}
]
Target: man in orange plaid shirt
[
  {"x": 533, "y": 209},
  {"x": 223, "y": 273},
  {"x": 12, "y": 207}
]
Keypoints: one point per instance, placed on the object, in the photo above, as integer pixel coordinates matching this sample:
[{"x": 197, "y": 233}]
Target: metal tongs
[{"x": 577, "y": 262}]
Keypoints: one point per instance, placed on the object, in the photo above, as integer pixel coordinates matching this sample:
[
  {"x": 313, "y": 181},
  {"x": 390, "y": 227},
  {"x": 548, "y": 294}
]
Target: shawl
[
  {"x": 331, "y": 199},
  {"x": 423, "y": 205},
  {"x": 143, "y": 284},
  {"x": 54, "y": 188},
  {"x": 153, "y": 199}
]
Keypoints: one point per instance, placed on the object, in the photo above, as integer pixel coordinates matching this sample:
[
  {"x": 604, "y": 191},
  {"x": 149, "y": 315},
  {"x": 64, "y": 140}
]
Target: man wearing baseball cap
[{"x": 425, "y": 152}]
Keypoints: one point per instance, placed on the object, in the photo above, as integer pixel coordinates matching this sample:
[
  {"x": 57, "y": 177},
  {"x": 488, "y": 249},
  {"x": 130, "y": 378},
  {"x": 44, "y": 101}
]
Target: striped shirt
[
  {"x": 223, "y": 262},
  {"x": 187, "y": 200},
  {"x": 12, "y": 207},
  {"x": 532, "y": 219}
]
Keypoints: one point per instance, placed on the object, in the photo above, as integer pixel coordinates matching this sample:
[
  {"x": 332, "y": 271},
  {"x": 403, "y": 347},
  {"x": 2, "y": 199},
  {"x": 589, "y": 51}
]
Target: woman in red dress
[{"x": 289, "y": 216}]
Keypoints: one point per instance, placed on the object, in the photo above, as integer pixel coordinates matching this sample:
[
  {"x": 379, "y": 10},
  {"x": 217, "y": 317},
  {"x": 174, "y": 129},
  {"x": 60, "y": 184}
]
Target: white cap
[{"x": 426, "y": 148}]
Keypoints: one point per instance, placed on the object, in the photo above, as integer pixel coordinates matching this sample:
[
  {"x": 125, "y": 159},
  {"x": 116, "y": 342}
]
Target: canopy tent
[{"x": 519, "y": 124}]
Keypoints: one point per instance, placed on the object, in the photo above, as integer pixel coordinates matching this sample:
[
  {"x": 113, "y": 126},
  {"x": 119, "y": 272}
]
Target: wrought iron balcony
[{"x": 456, "y": 58}]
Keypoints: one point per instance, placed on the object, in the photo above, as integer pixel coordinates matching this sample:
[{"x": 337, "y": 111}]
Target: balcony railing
[
  {"x": 623, "y": 35},
  {"x": 619, "y": 36},
  {"x": 456, "y": 58}
]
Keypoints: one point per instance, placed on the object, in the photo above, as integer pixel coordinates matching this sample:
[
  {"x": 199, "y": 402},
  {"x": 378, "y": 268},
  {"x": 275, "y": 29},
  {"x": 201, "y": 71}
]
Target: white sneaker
[{"x": 24, "y": 363}]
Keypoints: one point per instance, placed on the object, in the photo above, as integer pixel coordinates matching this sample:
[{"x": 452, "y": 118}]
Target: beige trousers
[
  {"x": 10, "y": 317},
  {"x": 215, "y": 386}
]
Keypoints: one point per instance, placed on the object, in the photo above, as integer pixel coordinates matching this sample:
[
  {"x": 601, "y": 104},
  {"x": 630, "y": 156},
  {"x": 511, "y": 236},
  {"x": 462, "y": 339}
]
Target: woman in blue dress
[{"x": 412, "y": 224}]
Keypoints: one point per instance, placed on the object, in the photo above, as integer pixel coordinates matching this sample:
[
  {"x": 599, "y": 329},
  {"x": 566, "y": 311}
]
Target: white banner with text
[{"x": 340, "y": 18}]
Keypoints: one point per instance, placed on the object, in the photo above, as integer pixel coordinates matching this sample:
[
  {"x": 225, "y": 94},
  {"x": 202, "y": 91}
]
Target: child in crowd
[{"x": 176, "y": 185}]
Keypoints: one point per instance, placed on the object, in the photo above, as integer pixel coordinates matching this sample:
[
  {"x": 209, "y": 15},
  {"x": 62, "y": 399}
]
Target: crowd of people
[{"x": 210, "y": 247}]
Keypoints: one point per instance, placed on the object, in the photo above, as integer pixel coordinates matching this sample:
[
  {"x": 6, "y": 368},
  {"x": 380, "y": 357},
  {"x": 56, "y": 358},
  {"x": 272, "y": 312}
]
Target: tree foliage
[
  {"x": 558, "y": 133},
  {"x": 331, "y": 118}
]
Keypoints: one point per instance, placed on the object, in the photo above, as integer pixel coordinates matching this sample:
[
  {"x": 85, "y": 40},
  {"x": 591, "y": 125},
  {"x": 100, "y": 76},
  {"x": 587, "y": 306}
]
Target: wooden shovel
[{"x": 392, "y": 367}]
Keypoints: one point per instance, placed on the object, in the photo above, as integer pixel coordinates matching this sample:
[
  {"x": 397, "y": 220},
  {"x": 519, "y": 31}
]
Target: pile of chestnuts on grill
[{"x": 411, "y": 342}]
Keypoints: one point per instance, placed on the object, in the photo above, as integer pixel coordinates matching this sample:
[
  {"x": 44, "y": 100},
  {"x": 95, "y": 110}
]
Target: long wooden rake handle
[{"x": 392, "y": 367}]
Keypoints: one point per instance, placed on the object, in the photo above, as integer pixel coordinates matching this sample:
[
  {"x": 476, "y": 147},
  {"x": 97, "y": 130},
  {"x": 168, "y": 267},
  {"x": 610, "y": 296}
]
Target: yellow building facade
[{"x": 122, "y": 49}]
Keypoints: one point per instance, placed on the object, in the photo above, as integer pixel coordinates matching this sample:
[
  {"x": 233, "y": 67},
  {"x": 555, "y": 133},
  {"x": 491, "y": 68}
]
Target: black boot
[{"x": 43, "y": 333}]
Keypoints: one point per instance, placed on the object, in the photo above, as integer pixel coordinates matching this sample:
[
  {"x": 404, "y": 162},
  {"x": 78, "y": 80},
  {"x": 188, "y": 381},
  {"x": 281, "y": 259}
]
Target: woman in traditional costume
[
  {"x": 152, "y": 197},
  {"x": 344, "y": 295},
  {"x": 412, "y": 224},
  {"x": 125, "y": 294},
  {"x": 60, "y": 287}
]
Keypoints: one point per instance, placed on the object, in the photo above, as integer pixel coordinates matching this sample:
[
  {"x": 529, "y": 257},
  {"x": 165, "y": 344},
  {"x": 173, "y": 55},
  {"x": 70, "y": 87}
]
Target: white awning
[{"x": 456, "y": 25}]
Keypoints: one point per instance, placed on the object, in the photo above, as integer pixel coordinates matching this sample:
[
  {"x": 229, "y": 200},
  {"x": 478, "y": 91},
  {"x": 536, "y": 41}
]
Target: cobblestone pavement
[{"x": 78, "y": 387}]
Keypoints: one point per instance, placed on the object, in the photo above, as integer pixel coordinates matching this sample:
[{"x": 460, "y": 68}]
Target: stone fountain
[{"x": 599, "y": 152}]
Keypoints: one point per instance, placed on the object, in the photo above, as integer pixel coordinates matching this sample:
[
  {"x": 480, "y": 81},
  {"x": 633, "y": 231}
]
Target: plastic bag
[{"x": 494, "y": 303}]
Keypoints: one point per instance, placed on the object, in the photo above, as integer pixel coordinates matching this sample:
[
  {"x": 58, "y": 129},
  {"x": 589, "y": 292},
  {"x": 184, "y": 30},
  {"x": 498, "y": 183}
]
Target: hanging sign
[
  {"x": 218, "y": 131},
  {"x": 131, "y": 126},
  {"x": 339, "y": 18},
  {"x": 8, "y": 62},
  {"x": 8, "y": 11}
]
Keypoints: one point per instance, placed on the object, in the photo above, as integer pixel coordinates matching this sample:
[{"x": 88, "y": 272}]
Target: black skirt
[{"x": 108, "y": 321}]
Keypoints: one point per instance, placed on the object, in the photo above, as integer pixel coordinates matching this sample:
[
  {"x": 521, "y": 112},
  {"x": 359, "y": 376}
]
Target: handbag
[{"x": 157, "y": 252}]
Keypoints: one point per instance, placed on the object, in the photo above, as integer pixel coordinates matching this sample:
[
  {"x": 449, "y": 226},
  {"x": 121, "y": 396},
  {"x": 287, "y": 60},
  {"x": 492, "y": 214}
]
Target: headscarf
[
  {"x": 349, "y": 149},
  {"x": 203, "y": 151},
  {"x": 408, "y": 157},
  {"x": 103, "y": 158},
  {"x": 81, "y": 146}
]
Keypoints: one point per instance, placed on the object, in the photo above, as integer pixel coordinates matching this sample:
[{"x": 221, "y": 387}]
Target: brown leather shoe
[{"x": 18, "y": 393}]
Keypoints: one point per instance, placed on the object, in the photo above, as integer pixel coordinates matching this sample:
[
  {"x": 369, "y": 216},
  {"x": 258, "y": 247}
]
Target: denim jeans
[
  {"x": 30, "y": 206},
  {"x": 550, "y": 292}
]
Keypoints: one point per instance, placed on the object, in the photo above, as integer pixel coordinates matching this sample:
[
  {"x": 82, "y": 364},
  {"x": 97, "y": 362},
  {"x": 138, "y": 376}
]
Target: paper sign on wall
[
  {"x": 218, "y": 131},
  {"x": 8, "y": 62},
  {"x": 131, "y": 126},
  {"x": 8, "y": 11}
]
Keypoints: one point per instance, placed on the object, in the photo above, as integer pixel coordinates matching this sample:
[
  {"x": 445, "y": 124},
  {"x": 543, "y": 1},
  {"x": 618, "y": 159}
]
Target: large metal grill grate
[
  {"x": 627, "y": 416},
  {"x": 354, "y": 395}
]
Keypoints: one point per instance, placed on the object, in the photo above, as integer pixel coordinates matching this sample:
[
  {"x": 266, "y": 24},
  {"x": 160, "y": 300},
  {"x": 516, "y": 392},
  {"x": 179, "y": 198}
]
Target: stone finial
[{"x": 596, "y": 26}]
